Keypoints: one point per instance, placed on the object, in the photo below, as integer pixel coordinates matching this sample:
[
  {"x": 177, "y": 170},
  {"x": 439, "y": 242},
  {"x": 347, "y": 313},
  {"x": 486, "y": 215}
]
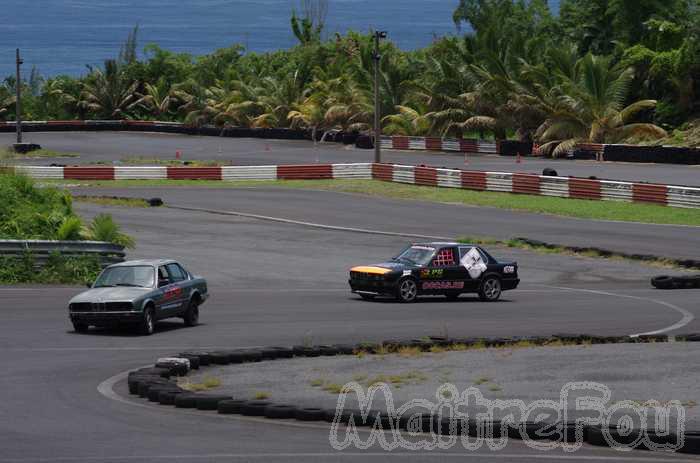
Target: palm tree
[
  {"x": 280, "y": 95},
  {"x": 63, "y": 96},
  {"x": 6, "y": 103},
  {"x": 409, "y": 121},
  {"x": 237, "y": 103},
  {"x": 347, "y": 105},
  {"x": 310, "y": 114},
  {"x": 592, "y": 109},
  {"x": 158, "y": 99},
  {"x": 108, "y": 93},
  {"x": 195, "y": 102}
]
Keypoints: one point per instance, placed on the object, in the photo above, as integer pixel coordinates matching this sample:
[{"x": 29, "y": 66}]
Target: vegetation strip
[
  {"x": 28, "y": 212},
  {"x": 541, "y": 246},
  {"x": 9, "y": 154},
  {"x": 113, "y": 201},
  {"x": 566, "y": 207},
  {"x": 166, "y": 382}
]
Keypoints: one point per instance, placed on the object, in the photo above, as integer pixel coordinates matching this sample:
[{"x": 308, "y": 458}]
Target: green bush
[
  {"x": 28, "y": 212},
  {"x": 58, "y": 270},
  {"x": 103, "y": 228}
]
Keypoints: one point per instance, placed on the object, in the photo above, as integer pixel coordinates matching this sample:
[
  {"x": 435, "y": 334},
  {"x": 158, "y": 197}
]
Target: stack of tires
[{"x": 670, "y": 282}]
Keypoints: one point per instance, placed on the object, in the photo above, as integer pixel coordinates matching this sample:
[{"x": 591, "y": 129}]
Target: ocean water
[{"x": 63, "y": 36}]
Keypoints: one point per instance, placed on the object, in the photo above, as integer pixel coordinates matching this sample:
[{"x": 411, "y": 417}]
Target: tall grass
[
  {"x": 29, "y": 212},
  {"x": 104, "y": 228}
]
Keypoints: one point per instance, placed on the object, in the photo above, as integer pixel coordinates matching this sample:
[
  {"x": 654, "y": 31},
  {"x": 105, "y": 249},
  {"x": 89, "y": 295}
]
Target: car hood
[
  {"x": 384, "y": 267},
  {"x": 118, "y": 294}
]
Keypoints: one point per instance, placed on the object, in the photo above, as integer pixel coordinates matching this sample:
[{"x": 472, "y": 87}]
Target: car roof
[
  {"x": 439, "y": 244},
  {"x": 150, "y": 262}
]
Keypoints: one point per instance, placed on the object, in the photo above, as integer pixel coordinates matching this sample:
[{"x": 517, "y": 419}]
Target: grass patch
[
  {"x": 112, "y": 201},
  {"x": 547, "y": 248},
  {"x": 407, "y": 351},
  {"x": 149, "y": 161},
  {"x": 261, "y": 395},
  {"x": 578, "y": 208},
  {"x": 332, "y": 388},
  {"x": 408, "y": 378},
  {"x": 9, "y": 154},
  {"x": 207, "y": 384}
]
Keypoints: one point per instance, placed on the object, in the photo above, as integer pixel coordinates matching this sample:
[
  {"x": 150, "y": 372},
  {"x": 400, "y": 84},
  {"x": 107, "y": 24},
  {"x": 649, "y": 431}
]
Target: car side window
[
  {"x": 175, "y": 273},
  {"x": 163, "y": 276},
  {"x": 185, "y": 274},
  {"x": 445, "y": 258},
  {"x": 463, "y": 251}
]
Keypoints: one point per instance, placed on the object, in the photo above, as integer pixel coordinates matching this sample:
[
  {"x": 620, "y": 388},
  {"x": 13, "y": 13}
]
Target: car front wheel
[
  {"x": 192, "y": 314},
  {"x": 147, "y": 326},
  {"x": 80, "y": 327},
  {"x": 407, "y": 291},
  {"x": 490, "y": 290}
]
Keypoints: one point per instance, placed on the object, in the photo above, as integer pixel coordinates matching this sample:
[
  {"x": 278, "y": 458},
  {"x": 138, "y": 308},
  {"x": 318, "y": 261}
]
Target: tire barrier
[
  {"x": 652, "y": 154},
  {"x": 547, "y": 184},
  {"x": 159, "y": 384},
  {"x": 161, "y": 127},
  {"x": 681, "y": 282},
  {"x": 619, "y": 153},
  {"x": 582, "y": 151}
]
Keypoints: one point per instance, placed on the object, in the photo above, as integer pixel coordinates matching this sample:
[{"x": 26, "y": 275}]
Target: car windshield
[
  {"x": 419, "y": 255},
  {"x": 136, "y": 276}
]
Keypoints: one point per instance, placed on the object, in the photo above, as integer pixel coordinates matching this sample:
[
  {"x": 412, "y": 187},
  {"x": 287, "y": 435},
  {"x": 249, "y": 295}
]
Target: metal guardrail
[{"x": 41, "y": 250}]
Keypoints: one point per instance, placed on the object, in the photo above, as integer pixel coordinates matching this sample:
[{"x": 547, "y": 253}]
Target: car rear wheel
[
  {"x": 81, "y": 327},
  {"x": 407, "y": 291},
  {"x": 192, "y": 314},
  {"x": 147, "y": 325},
  {"x": 490, "y": 290}
]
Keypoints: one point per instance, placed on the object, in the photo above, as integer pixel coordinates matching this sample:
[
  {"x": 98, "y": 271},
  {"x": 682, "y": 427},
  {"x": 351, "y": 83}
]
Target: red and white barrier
[
  {"x": 399, "y": 142},
  {"x": 505, "y": 182},
  {"x": 532, "y": 184}
]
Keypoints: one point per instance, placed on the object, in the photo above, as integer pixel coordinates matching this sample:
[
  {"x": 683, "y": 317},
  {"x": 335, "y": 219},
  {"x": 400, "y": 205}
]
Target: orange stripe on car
[{"x": 374, "y": 270}]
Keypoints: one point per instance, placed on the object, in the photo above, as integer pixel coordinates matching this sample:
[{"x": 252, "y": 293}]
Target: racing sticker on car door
[{"x": 474, "y": 263}]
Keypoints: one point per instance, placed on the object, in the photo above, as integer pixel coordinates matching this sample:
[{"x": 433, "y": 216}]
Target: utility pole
[
  {"x": 378, "y": 35},
  {"x": 18, "y": 107}
]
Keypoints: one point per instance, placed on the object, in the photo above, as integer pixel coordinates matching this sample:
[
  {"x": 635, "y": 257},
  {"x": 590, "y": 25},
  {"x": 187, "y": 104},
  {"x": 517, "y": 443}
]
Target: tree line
[{"x": 602, "y": 71}]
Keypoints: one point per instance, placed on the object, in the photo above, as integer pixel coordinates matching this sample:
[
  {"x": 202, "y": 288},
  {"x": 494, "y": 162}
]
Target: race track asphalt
[
  {"x": 111, "y": 147},
  {"x": 277, "y": 284},
  {"x": 427, "y": 218}
]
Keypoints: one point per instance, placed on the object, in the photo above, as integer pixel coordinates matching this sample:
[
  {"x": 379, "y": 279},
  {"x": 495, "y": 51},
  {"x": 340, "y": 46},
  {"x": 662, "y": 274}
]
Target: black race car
[{"x": 447, "y": 269}]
